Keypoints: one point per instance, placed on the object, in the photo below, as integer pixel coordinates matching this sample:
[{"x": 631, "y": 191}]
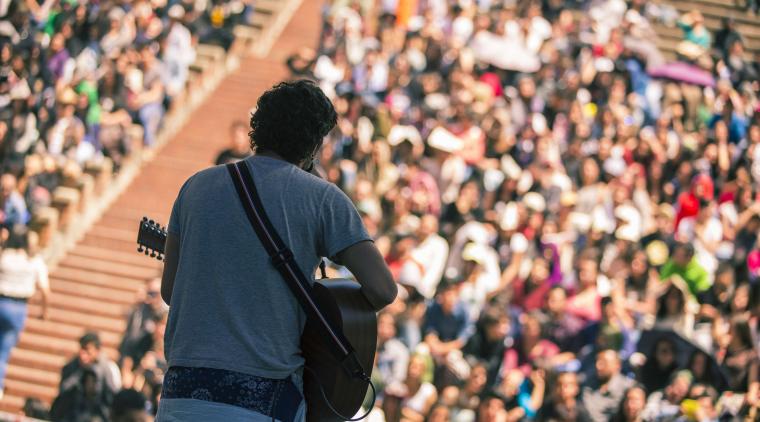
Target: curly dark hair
[{"x": 291, "y": 119}]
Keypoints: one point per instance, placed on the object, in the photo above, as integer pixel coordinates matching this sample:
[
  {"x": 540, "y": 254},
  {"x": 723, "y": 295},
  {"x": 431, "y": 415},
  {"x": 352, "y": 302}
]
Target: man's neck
[
  {"x": 276, "y": 156},
  {"x": 270, "y": 154}
]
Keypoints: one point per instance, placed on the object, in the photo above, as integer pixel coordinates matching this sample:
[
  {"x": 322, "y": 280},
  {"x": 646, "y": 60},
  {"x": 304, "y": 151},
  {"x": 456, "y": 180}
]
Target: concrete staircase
[{"x": 95, "y": 269}]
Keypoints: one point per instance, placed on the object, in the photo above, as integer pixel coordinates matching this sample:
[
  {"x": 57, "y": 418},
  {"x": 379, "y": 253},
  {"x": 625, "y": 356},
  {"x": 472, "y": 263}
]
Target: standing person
[
  {"x": 179, "y": 53},
  {"x": 232, "y": 315},
  {"x": 14, "y": 210},
  {"x": 22, "y": 272}
]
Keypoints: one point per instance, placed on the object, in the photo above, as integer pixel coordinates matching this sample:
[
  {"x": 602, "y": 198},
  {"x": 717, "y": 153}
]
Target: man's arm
[
  {"x": 368, "y": 266},
  {"x": 171, "y": 260}
]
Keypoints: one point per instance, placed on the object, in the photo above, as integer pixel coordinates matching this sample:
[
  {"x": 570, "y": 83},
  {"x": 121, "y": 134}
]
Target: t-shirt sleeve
[
  {"x": 341, "y": 224},
  {"x": 175, "y": 219}
]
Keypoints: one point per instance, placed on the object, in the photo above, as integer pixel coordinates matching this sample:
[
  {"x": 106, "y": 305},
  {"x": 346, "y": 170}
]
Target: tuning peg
[
  {"x": 151, "y": 222},
  {"x": 146, "y": 251},
  {"x": 140, "y": 249},
  {"x": 144, "y": 219},
  {"x": 160, "y": 257},
  {"x": 153, "y": 254}
]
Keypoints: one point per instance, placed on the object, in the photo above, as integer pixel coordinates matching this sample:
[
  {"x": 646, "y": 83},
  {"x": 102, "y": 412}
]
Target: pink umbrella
[{"x": 683, "y": 72}]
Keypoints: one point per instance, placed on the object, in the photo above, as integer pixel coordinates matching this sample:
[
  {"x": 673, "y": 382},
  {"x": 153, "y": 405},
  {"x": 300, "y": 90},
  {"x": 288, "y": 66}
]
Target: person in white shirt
[
  {"x": 22, "y": 273},
  {"x": 431, "y": 254},
  {"x": 179, "y": 53}
]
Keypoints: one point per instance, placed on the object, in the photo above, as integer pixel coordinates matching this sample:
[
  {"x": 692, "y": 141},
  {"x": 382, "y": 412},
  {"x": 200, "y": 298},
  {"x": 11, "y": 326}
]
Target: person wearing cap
[
  {"x": 446, "y": 165},
  {"x": 121, "y": 32},
  {"x": 178, "y": 50}
]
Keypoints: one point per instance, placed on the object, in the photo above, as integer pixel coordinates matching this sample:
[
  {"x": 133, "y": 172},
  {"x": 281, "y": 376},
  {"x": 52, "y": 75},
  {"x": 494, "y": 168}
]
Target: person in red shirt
[
  {"x": 702, "y": 189},
  {"x": 530, "y": 294}
]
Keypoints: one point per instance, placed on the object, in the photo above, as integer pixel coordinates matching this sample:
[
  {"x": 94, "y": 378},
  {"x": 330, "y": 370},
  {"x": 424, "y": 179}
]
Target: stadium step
[
  {"x": 84, "y": 318},
  {"x": 12, "y": 404},
  {"x": 27, "y": 389},
  {"x": 112, "y": 268},
  {"x": 78, "y": 303},
  {"x": 125, "y": 258},
  {"x": 54, "y": 329},
  {"x": 33, "y": 375},
  {"x": 94, "y": 278},
  {"x": 35, "y": 359}
]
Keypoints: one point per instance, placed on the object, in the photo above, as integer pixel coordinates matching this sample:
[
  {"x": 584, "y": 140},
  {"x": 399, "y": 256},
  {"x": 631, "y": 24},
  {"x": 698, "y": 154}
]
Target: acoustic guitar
[{"x": 345, "y": 307}]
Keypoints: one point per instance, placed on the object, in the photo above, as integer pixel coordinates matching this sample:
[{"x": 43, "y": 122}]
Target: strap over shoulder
[{"x": 283, "y": 259}]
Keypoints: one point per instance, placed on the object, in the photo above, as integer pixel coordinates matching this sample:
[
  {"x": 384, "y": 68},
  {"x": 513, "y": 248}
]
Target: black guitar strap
[{"x": 283, "y": 259}]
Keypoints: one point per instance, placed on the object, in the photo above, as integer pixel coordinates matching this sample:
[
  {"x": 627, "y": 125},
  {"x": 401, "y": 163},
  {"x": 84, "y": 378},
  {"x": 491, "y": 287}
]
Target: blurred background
[{"x": 568, "y": 193}]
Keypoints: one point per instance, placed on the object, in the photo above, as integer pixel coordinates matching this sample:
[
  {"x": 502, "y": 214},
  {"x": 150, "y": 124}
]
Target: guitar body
[{"x": 341, "y": 301}]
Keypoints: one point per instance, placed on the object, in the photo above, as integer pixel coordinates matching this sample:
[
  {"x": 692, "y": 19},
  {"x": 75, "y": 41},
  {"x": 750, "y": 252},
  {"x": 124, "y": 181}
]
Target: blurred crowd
[
  {"x": 84, "y": 83},
  {"x": 574, "y": 218},
  {"x": 84, "y": 80}
]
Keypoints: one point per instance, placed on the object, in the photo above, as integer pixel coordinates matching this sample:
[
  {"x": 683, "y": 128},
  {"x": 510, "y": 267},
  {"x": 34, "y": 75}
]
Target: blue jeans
[
  {"x": 150, "y": 116},
  {"x": 12, "y": 319},
  {"x": 192, "y": 410}
]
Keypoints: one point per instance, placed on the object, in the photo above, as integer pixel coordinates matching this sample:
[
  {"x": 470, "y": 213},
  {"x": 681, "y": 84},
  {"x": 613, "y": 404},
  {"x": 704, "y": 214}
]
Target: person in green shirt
[
  {"x": 683, "y": 263},
  {"x": 693, "y": 26}
]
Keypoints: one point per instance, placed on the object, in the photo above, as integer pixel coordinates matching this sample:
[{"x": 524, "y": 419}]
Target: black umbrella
[{"x": 684, "y": 349}]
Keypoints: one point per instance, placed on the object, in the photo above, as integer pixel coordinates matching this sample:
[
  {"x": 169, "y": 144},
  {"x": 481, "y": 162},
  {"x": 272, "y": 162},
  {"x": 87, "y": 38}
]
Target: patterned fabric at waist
[{"x": 272, "y": 397}]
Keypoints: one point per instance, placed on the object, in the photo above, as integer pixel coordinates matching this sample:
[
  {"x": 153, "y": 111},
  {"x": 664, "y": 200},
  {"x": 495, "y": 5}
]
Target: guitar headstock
[{"x": 151, "y": 237}]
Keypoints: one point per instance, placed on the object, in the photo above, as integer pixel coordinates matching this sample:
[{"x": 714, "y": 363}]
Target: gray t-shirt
[{"x": 230, "y": 307}]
